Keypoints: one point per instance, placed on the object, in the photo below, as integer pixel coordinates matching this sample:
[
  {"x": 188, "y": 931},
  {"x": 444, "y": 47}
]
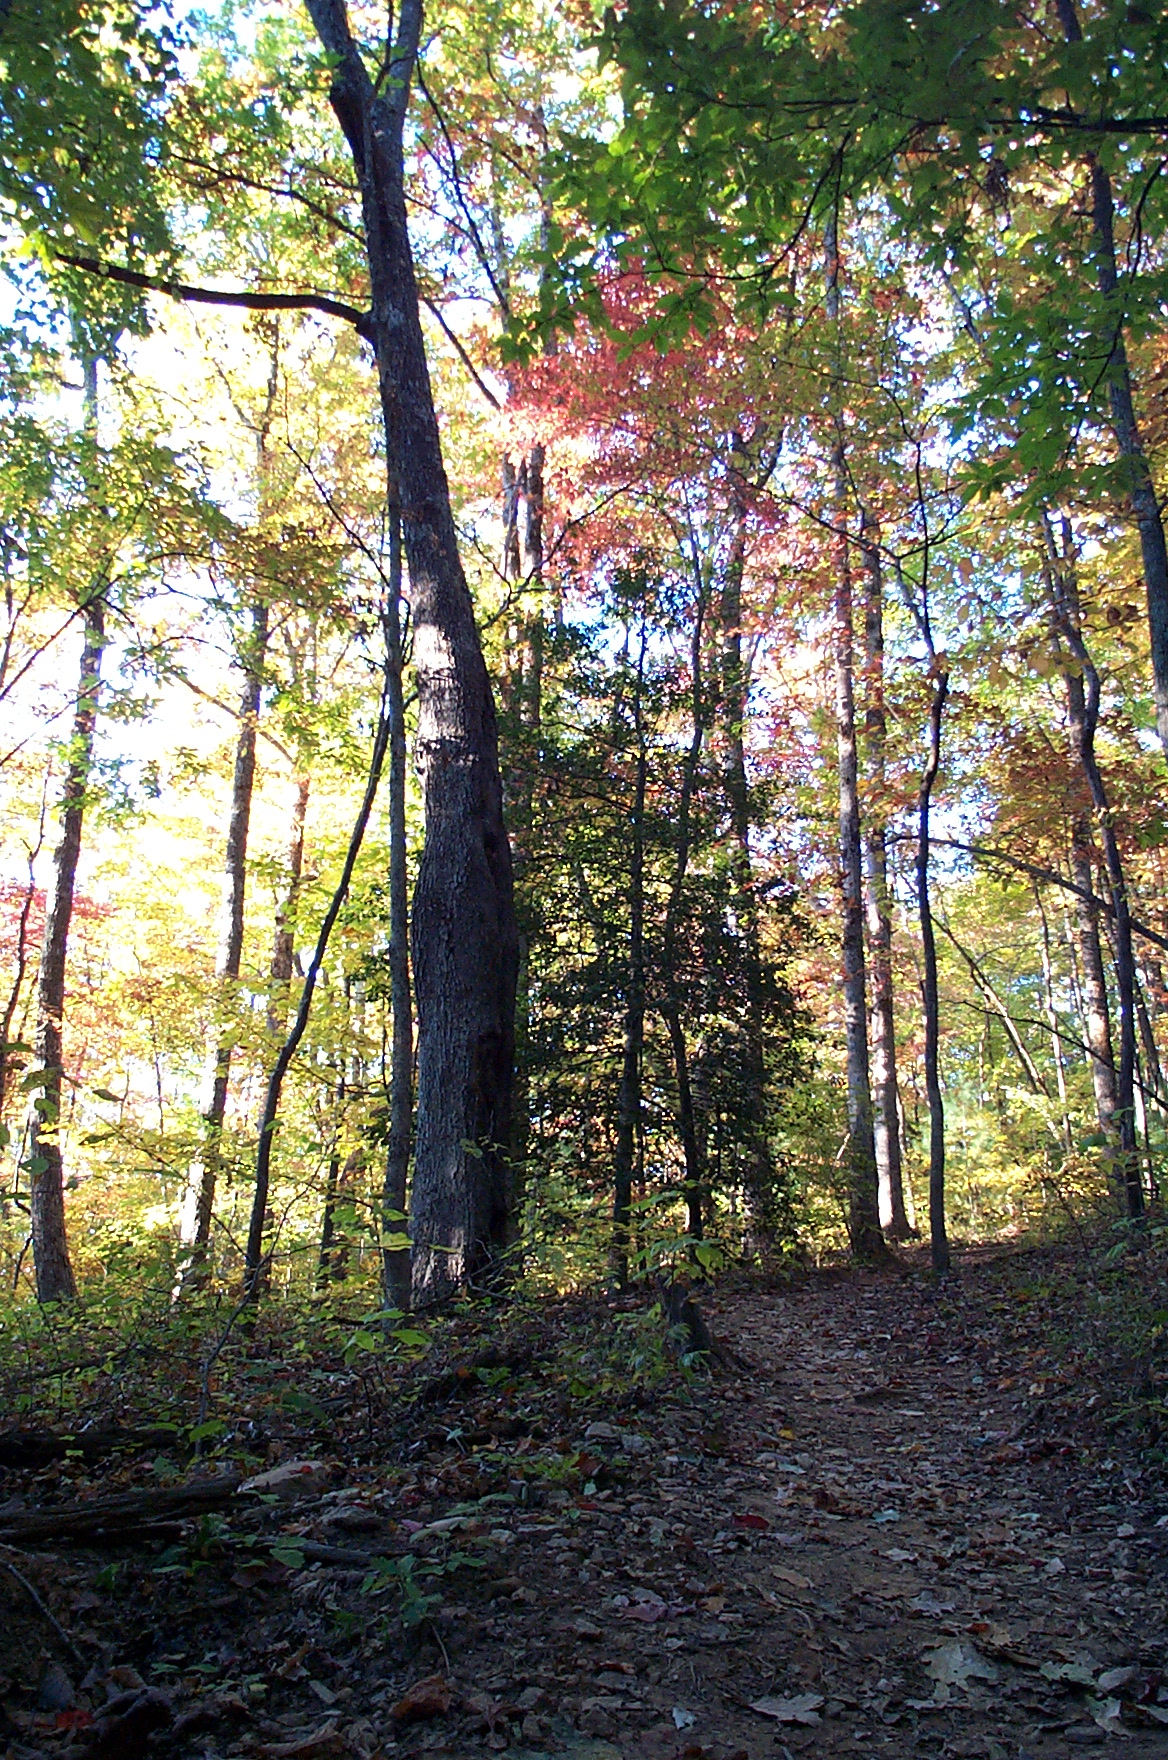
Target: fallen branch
[
  {"x": 45, "y": 1612},
  {"x": 101, "y": 1515},
  {"x": 36, "y": 1448}
]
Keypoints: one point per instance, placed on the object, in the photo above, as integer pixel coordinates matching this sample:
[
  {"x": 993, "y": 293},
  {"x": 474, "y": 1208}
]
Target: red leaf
[{"x": 75, "y": 1718}]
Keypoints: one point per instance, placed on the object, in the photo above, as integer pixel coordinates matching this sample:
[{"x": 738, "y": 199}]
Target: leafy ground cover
[{"x": 895, "y": 1517}]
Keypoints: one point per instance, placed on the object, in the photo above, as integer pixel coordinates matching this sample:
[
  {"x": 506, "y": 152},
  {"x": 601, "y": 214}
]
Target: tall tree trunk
[
  {"x": 20, "y": 969},
  {"x": 283, "y": 960},
  {"x": 50, "y": 1245},
  {"x": 1141, "y": 489},
  {"x": 1093, "y": 981},
  {"x": 863, "y": 1192},
  {"x": 396, "y": 1256},
  {"x": 199, "y": 1205},
  {"x": 938, "y": 1238},
  {"x": 255, "y": 1258},
  {"x": 629, "y": 1095},
  {"x": 1056, "y": 1036},
  {"x": 735, "y": 695},
  {"x": 671, "y": 1007},
  {"x": 887, "y": 1100},
  {"x": 464, "y": 934},
  {"x": 328, "y": 1218},
  {"x": 1083, "y": 694},
  {"x": 526, "y": 687}
]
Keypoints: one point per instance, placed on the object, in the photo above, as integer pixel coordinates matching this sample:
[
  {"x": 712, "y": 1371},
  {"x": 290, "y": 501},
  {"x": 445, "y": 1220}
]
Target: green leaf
[
  {"x": 204, "y": 1432},
  {"x": 361, "y": 1340}
]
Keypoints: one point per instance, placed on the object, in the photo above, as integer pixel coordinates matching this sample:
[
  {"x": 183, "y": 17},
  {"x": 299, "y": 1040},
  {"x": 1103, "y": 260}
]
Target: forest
[{"x": 584, "y": 684}]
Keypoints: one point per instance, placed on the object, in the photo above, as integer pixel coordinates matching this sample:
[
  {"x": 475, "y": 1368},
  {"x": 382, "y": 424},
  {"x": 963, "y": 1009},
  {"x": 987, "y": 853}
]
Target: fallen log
[
  {"x": 105, "y": 1515},
  {"x": 34, "y": 1449}
]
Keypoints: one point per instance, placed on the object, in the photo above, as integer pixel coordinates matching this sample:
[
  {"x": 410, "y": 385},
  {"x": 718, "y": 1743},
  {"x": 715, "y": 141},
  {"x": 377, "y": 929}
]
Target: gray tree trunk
[
  {"x": 687, "y": 1125},
  {"x": 1141, "y": 489},
  {"x": 199, "y": 1204},
  {"x": 50, "y": 1244},
  {"x": 863, "y": 1192},
  {"x": 1083, "y": 694},
  {"x": 938, "y": 1236},
  {"x": 893, "y": 1215},
  {"x": 628, "y": 1128},
  {"x": 396, "y": 1282},
  {"x": 1052, "y": 1019},
  {"x": 283, "y": 961},
  {"x": 1093, "y": 979},
  {"x": 463, "y": 934},
  {"x": 735, "y": 696}
]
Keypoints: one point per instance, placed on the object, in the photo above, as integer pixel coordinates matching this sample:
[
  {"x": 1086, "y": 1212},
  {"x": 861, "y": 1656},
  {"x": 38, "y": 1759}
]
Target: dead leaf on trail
[
  {"x": 955, "y": 1665},
  {"x": 318, "y": 1742},
  {"x": 431, "y": 1697},
  {"x": 929, "y": 1606},
  {"x": 1115, "y": 1678},
  {"x": 76, "y": 1718},
  {"x": 750, "y": 1520},
  {"x": 1105, "y": 1712},
  {"x": 267, "y": 1571},
  {"x": 794, "y": 1579},
  {"x": 490, "y": 1714},
  {"x": 1071, "y": 1674},
  {"x": 801, "y": 1708},
  {"x": 292, "y": 1668}
]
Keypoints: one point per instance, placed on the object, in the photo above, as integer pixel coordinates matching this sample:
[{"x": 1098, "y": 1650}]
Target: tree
[
  {"x": 54, "y": 1271},
  {"x": 464, "y": 938}
]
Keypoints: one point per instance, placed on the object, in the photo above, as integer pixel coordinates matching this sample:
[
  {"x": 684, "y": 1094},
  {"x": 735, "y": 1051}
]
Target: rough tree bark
[
  {"x": 20, "y": 965},
  {"x": 283, "y": 961},
  {"x": 938, "y": 1237},
  {"x": 523, "y": 565},
  {"x": 629, "y": 1094},
  {"x": 893, "y": 1215},
  {"x": 1141, "y": 489},
  {"x": 50, "y": 1245},
  {"x": 1052, "y": 1020},
  {"x": 464, "y": 936},
  {"x": 1083, "y": 694},
  {"x": 671, "y": 1005},
  {"x": 1093, "y": 977},
  {"x": 199, "y": 1202},
  {"x": 396, "y": 1283},
  {"x": 863, "y": 1198},
  {"x": 735, "y": 695}
]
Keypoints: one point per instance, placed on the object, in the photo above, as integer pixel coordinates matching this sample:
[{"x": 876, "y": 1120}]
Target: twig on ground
[
  {"x": 45, "y": 1612},
  {"x": 437, "y": 1637}
]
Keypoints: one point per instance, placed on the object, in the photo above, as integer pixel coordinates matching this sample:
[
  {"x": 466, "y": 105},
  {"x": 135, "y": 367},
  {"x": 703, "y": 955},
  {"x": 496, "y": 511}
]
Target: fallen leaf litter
[{"x": 702, "y": 1575}]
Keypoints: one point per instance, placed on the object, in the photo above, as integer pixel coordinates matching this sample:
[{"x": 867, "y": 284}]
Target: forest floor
[{"x": 892, "y": 1520}]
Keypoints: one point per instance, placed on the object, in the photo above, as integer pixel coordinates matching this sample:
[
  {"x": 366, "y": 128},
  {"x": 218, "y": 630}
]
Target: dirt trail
[
  {"x": 887, "y": 1530},
  {"x": 874, "y": 1534}
]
